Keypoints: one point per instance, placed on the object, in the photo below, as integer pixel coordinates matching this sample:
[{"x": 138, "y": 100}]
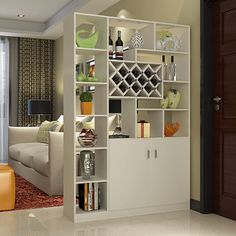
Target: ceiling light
[{"x": 21, "y": 15}]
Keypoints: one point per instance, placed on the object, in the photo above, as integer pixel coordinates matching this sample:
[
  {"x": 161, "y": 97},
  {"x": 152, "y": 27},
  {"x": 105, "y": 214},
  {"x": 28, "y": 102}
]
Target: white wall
[
  {"x": 183, "y": 12},
  {"x": 58, "y": 105}
]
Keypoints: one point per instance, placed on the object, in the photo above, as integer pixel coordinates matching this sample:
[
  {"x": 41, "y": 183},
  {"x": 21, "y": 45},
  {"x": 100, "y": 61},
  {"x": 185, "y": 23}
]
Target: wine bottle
[
  {"x": 149, "y": 73},
  {"x": 119, "y": 47},
  {"x": 142, "y": 80},
  {"x": 136, "y": 88},
  {"x": 123, "y": 87},
  {"x": 129, "y": 80},
  {"x": 154, "y": 81},
  {"x": 164, "y": 67},
  {"x": 116, "y": 79},
  {"x": 172, "y": 70},
  {"x": 123, "y": 72},
  {"x": 148, "y": 88},
  {"x": 110, "y": 46},
  {"x": 136, "y": 73}
]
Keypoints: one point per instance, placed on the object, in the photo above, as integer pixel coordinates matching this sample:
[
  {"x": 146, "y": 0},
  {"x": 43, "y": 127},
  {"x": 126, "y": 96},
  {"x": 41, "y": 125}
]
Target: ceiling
[{"x": 43, "y": 18}]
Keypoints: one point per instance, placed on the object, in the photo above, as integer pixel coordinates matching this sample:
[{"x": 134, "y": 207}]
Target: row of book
[{"x": 89, "y": 196}]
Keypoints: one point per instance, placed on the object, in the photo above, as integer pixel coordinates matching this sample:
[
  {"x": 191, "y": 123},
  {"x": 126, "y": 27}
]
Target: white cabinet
[
  {"x": 170, "y": 165},
  {"x": 148, "y": 172},
  {"x": 129, "y": 174},
  {"x": 134, "y": 175}
]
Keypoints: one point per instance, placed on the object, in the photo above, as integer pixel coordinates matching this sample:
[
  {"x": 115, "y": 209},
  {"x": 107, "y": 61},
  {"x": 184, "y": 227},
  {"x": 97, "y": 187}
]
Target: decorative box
[{"x": 143, "y": 129}]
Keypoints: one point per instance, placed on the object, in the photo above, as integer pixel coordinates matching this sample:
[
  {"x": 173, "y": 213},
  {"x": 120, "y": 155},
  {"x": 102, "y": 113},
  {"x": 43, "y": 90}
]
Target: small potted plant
[{"x": 86, "y": 99}]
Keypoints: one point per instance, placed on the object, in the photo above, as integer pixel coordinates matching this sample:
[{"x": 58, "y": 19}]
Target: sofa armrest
[
  {"x": 56, "y": 162},
  {"x": 22, "y": 135}
]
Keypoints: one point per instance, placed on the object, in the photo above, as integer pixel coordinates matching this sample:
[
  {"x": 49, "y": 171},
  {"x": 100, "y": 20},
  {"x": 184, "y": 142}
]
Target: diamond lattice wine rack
[{"x": 135, "y": 79}]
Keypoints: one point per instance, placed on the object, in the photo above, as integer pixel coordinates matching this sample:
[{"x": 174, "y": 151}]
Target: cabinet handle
[
  {"x": 155, "y": 154},
  {"x": 148, "y": 154}
]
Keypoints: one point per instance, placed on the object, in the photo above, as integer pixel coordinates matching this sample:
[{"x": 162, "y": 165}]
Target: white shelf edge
[
  {"x": 160, "y": 109},
  {"x": 78, "y": 149},
  {"x": 176, "y": 82},
  {"x": 80, "y": 212},
  {"x": 90, "y": 83},
  {"x": 92, "y": 115},
  {"x": 80, "y": 180},
  {"x": 158, "y": 51},
  {"x": 122, "y": 61},
  {"x": 176, "y": 109},
  {"x": 90, "y": 51},
  {"x": 133, "y": 97}
]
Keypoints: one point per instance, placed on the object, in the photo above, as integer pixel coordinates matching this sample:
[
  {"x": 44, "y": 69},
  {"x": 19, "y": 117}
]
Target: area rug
[{"x": 28, "y": 196}]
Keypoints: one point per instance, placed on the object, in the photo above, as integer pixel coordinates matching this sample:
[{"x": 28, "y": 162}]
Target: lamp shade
[
  {"x": 114, "y": 106},
  {"x": 39, "y": 107}
]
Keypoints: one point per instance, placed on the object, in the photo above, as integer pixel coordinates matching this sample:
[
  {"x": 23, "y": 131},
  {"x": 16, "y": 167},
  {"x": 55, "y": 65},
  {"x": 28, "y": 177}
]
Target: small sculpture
[
  {"x": 136, "y": 40},
  {"x": 171, "y": 129},
  {"x": 86, "y": 40}
]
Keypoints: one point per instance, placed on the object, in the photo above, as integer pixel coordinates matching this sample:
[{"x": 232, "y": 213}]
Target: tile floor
[{"x": 50, "y": 222}]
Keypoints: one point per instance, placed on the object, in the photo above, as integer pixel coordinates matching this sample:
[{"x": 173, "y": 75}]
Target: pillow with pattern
[{"x": 45, "y": 127}]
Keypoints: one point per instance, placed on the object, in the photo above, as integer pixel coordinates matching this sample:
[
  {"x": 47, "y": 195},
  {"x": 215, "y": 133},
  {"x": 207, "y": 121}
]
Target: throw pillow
[
  {"x": 56, "y": 126},
  {"x": 42, "y": 135},
  {"x": 45, "y": 127}
]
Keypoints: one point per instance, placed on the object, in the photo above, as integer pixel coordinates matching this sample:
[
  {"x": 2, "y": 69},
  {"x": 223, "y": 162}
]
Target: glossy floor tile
[{"x": 50, "y": 221}]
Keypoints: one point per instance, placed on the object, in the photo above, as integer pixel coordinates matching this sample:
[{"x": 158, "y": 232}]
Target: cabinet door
[
  {"x": 129, "y": 174},
  {"x": 170, "y": 171}
]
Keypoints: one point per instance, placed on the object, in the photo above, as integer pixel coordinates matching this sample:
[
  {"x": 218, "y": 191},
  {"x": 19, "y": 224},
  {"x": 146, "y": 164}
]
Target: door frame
[{"x": 206, "y": 139}]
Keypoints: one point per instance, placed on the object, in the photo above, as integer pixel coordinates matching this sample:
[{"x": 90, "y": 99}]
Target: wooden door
[
  {"x": 224, "y": 104},
  {"x": 130, "y": 178},
  {"x": 170, "y": 163}
]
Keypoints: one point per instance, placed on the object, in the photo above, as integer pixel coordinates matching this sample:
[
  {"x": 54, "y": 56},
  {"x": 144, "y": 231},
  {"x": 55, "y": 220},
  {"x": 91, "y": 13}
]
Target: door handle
[
  {"x": 216, "y": 99},
  {"x": 148, "y": 154},
  {"x": 155, "y": 154}
]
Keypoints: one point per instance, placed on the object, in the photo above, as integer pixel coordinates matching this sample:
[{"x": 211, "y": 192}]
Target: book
[
  {"x": 90, "y": 197},
  {"x": 83, "y": 196},
  {"x": 95, "y": 187}
]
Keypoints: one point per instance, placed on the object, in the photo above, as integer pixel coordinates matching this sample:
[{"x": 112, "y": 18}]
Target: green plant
[{"x": 86, "y": 97}]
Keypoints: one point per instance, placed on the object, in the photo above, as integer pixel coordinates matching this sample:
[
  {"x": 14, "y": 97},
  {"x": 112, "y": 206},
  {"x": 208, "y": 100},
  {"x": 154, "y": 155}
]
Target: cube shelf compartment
[{"x": 135, "y": 79}]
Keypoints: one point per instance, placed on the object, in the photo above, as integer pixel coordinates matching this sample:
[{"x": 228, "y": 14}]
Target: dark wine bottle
[
  {"x": 123, "y": 72},
  {"x": 110, "y": 46},
  {"x": 136, "y": 73},
  {"x": 154, "y": 81},
  {"x": 165, "y": 69},
  {"x": 123, "y": 87},
  {"x": 149, "y": 73},
  {"x": 129, "y": 80},
  {"x": 142, "y": 80},
  {"x": 119, "y": 47},
  {"x": 116, "y": 79},
  {"x": 148, "y": 88},
  {"x": 136, "y": 88}
]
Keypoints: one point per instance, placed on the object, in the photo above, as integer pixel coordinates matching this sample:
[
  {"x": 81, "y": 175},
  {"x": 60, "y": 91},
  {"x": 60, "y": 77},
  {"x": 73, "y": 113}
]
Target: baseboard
[{"x": 195, "y": 205}]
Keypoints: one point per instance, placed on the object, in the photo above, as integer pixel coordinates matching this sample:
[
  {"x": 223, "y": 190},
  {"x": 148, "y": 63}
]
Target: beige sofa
[{"x": 39, "y": 163}]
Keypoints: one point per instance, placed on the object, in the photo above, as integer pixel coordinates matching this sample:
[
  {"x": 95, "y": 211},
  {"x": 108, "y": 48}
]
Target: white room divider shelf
[{"x": 135, "y": 175}]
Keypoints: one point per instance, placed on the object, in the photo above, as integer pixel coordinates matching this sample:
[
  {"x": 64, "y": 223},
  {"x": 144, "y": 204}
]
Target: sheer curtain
[{"x": 4, "y": 98}]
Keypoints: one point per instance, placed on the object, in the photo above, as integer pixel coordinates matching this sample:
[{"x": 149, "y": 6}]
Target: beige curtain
[{"x": 36, "y": 75}]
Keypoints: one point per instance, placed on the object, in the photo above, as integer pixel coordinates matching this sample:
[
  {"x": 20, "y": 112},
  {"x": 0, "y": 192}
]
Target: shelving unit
[{"x": 158, "y": 165}]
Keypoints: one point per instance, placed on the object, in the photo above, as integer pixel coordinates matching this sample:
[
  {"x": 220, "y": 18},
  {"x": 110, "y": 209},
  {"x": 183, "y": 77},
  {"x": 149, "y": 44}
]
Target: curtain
[
  {"x": 13, "y": 80},
  {"x": 4, "y": 98},
  {"x": 36, "y": 75}
]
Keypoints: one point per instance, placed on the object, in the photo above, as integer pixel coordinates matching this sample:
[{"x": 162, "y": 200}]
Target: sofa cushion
[
  {"x": 45, "y": 127},
  {"x": 25, "y": 152},
  {"x": 40, "y": 162}
]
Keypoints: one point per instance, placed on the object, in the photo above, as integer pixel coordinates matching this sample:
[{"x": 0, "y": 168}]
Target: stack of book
[{"x": 89, "y": 199}]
